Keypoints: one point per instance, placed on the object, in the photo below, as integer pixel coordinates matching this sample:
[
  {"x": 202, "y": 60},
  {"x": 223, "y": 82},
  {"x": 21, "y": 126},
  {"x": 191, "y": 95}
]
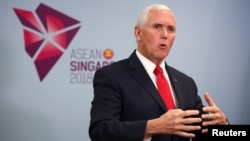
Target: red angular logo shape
[{"x": 47, "y": 34}]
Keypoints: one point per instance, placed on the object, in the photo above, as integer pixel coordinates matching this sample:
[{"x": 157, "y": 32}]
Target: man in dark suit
[{"x": 127, "y": 105}]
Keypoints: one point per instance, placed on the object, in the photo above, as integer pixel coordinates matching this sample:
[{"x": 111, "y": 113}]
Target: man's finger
[
  {"x": 189, "y": 113},
  {"x": 209, "y": 99}
]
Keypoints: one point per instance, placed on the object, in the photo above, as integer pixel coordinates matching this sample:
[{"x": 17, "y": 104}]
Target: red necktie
[{"x": 163, "y": 88}]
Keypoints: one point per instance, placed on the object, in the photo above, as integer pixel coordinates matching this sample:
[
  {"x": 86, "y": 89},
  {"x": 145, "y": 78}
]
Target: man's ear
[{"x": 137, "y": 32}]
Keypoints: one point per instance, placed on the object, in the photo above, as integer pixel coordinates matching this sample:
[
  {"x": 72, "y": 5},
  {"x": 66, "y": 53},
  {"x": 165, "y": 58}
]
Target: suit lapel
[
  {"x": 140, "y": 75},
  {"x": 176, "y": 87}
]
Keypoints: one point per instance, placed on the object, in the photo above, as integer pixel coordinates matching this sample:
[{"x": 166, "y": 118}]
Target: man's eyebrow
[
  {"x": 171, "y": 26},
  {"x": 157, "y": 24}
]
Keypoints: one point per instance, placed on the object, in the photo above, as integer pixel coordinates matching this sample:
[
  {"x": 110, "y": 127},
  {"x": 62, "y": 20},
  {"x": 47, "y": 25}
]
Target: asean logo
[
  {"x": 47, "y": 34},
  {"x": 108, "y": 53}
]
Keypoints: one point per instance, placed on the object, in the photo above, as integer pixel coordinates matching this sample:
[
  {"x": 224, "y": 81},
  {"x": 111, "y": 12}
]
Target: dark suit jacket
[{"x": 125, "y": 98}]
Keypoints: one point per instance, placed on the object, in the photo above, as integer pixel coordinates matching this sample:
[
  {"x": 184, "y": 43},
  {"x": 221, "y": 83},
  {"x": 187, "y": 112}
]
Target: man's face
[{"x": 155, "y": 39}]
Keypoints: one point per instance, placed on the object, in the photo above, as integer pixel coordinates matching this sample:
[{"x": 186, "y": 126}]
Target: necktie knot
[{"x": 157, "y": 70}]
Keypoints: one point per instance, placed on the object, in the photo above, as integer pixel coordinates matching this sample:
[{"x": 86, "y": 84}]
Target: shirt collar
[{"x": 149, "y": 65}]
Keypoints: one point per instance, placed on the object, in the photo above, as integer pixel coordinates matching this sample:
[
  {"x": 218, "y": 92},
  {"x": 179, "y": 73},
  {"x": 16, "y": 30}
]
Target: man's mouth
[{"x": 163, "y": 45}]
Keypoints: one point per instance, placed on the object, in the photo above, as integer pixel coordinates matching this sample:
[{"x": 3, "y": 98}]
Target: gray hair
[{"x": 143, "y": 16}]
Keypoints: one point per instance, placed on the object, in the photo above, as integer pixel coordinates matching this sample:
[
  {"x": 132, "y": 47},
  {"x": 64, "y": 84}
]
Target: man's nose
[{"x": 164, "y": 33}]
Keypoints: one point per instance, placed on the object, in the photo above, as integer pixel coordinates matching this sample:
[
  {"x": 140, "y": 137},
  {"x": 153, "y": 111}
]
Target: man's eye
[
  {"x": 172, "y": 29},
  {"x": 157, "y": 26}
]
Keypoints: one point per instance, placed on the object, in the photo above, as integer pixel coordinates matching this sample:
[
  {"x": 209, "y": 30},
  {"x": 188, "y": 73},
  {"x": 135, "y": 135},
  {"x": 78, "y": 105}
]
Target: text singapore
[{"x": 88, "y": 65}]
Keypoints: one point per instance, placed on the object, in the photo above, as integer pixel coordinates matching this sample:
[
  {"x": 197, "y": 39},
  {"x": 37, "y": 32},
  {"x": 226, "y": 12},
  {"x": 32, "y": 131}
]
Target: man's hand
[
  {"x": 214, "y": 115},
  {"x": 176, "y": 122}
]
